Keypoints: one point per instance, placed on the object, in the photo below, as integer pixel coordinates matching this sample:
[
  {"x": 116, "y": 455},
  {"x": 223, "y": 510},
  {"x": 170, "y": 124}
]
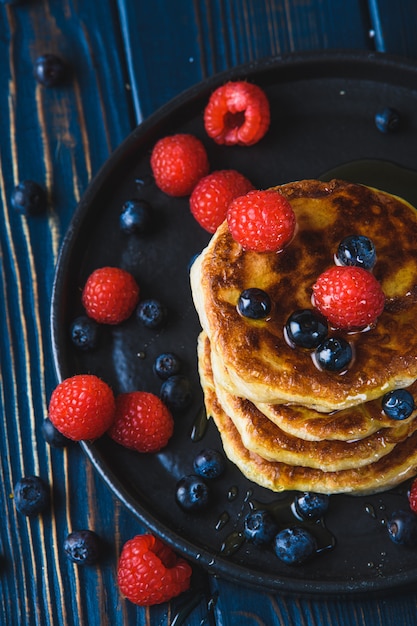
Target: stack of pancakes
[{"x": 284, "y": 422}]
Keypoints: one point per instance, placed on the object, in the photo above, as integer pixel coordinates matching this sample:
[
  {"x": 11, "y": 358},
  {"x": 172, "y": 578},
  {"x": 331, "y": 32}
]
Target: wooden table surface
[{"x": 127, "y": 59}]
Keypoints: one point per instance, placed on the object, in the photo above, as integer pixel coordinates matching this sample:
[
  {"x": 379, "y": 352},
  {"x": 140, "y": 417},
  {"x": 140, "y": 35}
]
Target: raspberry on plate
[
  {"x": 110, "y": 295},
  {"x": 213, "y": 194},
  {"x": 350, "y": 298},
  {"x": 149, "y": 572},
  {"x": 178, "y": 162},
  {"x": 237, "y": 113},
  {"x": 82, "y": 407},
  {"x": 142, "y": 422},
  {"x": 262, "y": 221},
  {"x": 412, "y": 496}
]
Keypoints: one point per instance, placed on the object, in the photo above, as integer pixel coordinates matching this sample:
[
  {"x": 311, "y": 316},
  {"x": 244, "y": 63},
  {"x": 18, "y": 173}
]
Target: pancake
[{"x": 260, "y": 365}]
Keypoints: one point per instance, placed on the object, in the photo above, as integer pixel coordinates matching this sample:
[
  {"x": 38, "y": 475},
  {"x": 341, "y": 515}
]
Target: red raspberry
[
  {"x": 82, "y": 407},
  {"x": 412, "y": 496},
  {"x": 178, "y": 162},
  {"x": 213, "y": 194},
  {"x": 261, "y": 220},
  {"x": 149, "y": 572},
  {"x": 237, "y": 113},
  {"x": 110, "y": 295},
  {"x": 142, "y": 422},
  {"x": 350, "y": 297}
]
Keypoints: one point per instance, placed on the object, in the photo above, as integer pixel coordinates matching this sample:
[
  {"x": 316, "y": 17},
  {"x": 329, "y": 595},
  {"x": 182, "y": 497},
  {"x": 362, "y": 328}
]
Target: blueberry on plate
[
  {"x": 398, "y": 404},
  {"x": 387, "y": 120},
  {"x": 311, "y": 505},
  {"x": 209, "y": 463},
  {"x": 260, "y": 527},
  {"x": 254, "y": 303},
  {"x": 192, "y": 493},
  {"x": 135, "y": 217},
  {"x": 357, "y": 250},
  {"x": 176, "y": 392},
  {"x": 84, "y": 333},
  {"x": 50, "y": 70},
  {"x": 28, "y": 198},
  {"x": 305, "y": 328},
  {"x": 52, "y": 435},
  {"x": 295, "y": 545},
  {"x": 83, "y": 547},
  {"x": 152, "y": 313},
  {"x": 167, "y": 364},
  {"x": 31, "y": 495},
  {"x": 402, "y": 528},
  {"x": 334, "y": 354}
]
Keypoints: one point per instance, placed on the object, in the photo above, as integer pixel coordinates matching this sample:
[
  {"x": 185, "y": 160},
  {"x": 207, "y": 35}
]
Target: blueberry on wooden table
[
  {"x": 83, "y": 547},
  {"x": 31, "y": 495},
  {"x": 28, "y": 198},
  {"x": 50, "y": 70}
]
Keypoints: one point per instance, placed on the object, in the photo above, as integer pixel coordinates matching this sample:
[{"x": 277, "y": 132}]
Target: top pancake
[{"x": 260, "y": 364}]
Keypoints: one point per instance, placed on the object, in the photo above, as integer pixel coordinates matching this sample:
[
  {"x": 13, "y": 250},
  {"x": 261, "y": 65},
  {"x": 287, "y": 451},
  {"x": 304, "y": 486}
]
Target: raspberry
[
  {"x": 82, "y": 407},
  {"x": 213, "y": 194},
  {"x": 237, "y": 113},
  {"x": 149, "y": 572},
  {"x": 349, "y": 297},
  {"x": 412, "y": 496},
  {"x": 261, "y": 220},
  {"x": 110, "y": 295},
  {"x": 178, "y": 162},
  {"x": 142, "y": 422}
]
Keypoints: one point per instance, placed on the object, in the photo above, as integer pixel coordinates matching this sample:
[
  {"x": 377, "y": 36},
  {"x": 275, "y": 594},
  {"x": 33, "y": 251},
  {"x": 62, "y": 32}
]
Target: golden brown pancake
[{"x": 260, "y": 364}]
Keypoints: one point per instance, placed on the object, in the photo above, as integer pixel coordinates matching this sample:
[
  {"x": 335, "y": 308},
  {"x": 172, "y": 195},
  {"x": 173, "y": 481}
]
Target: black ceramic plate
[{"x": 323, "y": 111}]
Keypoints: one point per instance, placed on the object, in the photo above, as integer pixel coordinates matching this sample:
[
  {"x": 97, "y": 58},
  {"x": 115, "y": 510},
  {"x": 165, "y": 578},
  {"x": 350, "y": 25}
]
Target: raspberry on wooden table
[
  {"x": 82, "y": 407},
  {"x": 178, "y": 162},
  {"x": 213, "y": 194},
  {"x": 237, "y": 113},
  {"x": 149, "y": 572},
  {"x": 110, "y": 295}
]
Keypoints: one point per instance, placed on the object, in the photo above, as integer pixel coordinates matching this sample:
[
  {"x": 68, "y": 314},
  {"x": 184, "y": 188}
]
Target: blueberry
[
  {"x": 260, "y": 527},
  {"x": 254, "y": 303},
  {"x": 84, "y": 333},
  {"x": 83, "y": 547},
  {"x": 176, "y": 392},
  {"x": 31, "y": 495},
  {"x": 209, "y": 463},
  {"x": 166, "y": 365},
  {"x": 192, "y": 493},
  {"x": 135, "y": 217},
  {"x": 28, "y": 198},
  {"x": 50, "y": 70},
  {"x": 294, "y": 545},
  {"x": 398, "y": 404},
  {"x": 402, "y": 528},
  {"x": 151, "y": 313},
  {"x": 52, "y": 435},
  {"x": 387, "y": 120},
  {"x": 357, "y": 250},
  {"x": 334, "y": 354},
  {"x": 306, "y": 328},
  {"x": 310, "y": 505}
]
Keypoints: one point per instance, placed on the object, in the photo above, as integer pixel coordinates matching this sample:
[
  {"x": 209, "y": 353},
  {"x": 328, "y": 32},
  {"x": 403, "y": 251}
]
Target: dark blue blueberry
[
  {"x": 387, "y": 120},
  {"x": 135, "y": 217},
  {"x": 260, "y": 527},
  {"x": 166, "y": 365},
  {"x": 152, "y": 313},
  {"x": 192, "y": 493},
  {"x": 209, "y": 463},
  {"x": 176, "y": 392},
  {"x": 357, "y": 250},
  {"x": 310, "y": 505},
  {"x": 398, "y": 404},
  {"x": 334, "y": 354},
  {"x": 52, "y": 435},
  {"x": 306, "y": 329},
  {"x": 85, "y": 333},
  {"x": 50, "y": 70},
  {"x": 28, "y": 198},
  {"x": 295, "y": 545},
  {"x": 83, "y": 547},
  {"x": 402, "y": 528},
  {"x": 31, "y": 495},
  {"x": 254, "y": 303}
]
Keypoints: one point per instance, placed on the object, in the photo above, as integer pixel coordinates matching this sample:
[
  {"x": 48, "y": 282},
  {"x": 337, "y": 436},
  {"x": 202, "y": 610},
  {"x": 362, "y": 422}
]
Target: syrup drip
[{"x": 200, "y": 424}]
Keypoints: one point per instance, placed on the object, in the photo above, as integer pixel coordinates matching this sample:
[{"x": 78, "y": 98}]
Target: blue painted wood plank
[{"x": 394, "y": 26}]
